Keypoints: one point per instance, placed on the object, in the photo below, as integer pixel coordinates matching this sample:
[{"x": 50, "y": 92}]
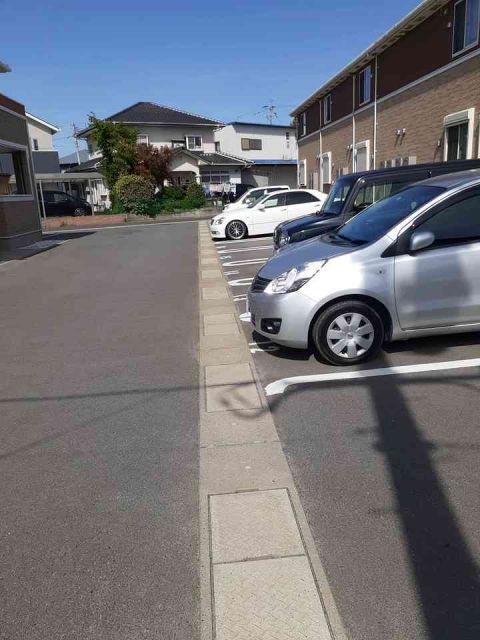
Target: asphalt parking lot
[{"x": 387, "y": 469}]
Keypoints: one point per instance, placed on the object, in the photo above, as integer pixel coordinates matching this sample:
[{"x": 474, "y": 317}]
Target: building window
[
  {"x": 326, "y": 167},
  {"x": 287, "y": 139},
  {"x": 14, "y": 174},
  {"x": 35, "y": 144},
  {"x": 194, "y": 143},
  {"x": 178, "y": 144},
  {"x": 217, "y": 177},
  {"x": 217, "y": 146},
  {"x": 327, "y": 109},
  {"x": 458, "y": 139},
  {"x": 90, "y": 148},
  {"x": 466, "y": 24},
  {"x": 251, "y": 144},
  {"x": 303, "y": 124},
  {"x": 365, "y": 85},
  {"x": 142, "y": 138},
  {"x": 362, "y": 156},
  {"x": 302, "y": 173}
]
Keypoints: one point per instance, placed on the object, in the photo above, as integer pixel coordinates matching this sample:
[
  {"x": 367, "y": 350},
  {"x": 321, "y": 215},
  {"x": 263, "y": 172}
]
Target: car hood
[
  {"x": 297, "y": 254},
  {"x": 233, "y": 214},
  {"x": 298, "y": 223}
]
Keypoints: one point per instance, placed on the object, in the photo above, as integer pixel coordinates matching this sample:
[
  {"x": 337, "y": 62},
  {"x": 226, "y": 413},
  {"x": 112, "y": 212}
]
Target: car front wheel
[
  {"x": 79, "y": 211},
  {"x": 236, "y": 230},
  {"x": 348, "y": 333}
]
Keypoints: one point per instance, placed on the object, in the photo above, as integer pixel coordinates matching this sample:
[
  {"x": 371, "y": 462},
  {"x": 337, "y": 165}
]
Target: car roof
[
  {"x": 413, "y": 168},
  {"x": 451, "y": 180}
]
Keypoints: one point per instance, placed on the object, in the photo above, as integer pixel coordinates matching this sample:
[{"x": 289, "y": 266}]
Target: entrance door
[{"x": 439, "y": 286}]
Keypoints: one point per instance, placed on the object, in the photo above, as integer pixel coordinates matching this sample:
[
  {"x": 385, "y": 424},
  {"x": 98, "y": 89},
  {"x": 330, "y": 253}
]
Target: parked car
[
  {"x": 352, "y": 193},
  {"x": 59, "y": 203},
  {"x": 252, "y": 195},
  {"x": 262, "y": 216},
  {"x": 405, "y": 267}
]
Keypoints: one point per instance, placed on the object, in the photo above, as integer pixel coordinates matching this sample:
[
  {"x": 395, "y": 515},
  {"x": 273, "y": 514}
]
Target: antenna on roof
[{"x": 270, "y": 112}]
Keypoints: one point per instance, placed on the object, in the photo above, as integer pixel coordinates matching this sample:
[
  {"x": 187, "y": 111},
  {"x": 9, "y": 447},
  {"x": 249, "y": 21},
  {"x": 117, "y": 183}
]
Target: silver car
[{"x": 407, "y": 266}]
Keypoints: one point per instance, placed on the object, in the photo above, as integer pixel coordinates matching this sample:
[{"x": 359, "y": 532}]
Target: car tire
[
  {"x": 348, "y": 333},
  {"x": 236, "y": 230},
  {"x": 79, "y": 212}
]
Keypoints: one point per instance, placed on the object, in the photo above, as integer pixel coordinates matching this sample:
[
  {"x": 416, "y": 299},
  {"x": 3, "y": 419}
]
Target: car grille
[{"x": 260, "y": 284}]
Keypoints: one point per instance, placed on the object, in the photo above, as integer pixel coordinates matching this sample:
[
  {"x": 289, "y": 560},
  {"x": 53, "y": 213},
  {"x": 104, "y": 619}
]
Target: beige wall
[{"x": 41, "y": 133}]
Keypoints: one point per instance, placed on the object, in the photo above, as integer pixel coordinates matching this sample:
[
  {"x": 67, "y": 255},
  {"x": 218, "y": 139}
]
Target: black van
[
  {"x": 352, "y": 193},
  {"x": 59, "y": 203}
]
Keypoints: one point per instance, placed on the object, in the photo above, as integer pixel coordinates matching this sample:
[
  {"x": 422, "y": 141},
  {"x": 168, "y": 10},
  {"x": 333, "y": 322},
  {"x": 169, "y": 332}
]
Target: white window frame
[
  {"x": 455, "y": 119},
  {"x": 472, "y": 44},
  {"x": 362, "y": 82},
  {"x": 364, "y": 144},
  {"x": 302, "y": 165},
  {"x": 303, "y": 123},
  {"x": 20, "y": 197},
  {"x": 328, "y": 157},
  {"x": 287, "y": 139},
  {"x": 327, "y": 100},
  {"x": 195, "y": 148},
  {"x": 142, "y": 135}
]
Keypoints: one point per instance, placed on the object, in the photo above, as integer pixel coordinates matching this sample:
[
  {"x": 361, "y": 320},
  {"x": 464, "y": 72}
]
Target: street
[
  {"x": 387, "y": 470},
  {"x": 99, "y": 454}
]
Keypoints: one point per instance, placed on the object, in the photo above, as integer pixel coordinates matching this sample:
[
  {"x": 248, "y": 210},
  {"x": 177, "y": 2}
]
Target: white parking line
[
  {"x": 262, "y": 248},
  {"x": 241, "y": 263},
  {"x": 239, "y": 298},
  {"x": 241, "y": 282},
  {"x": 279, "y": 386},
  {"x": 237, "y": 241}
]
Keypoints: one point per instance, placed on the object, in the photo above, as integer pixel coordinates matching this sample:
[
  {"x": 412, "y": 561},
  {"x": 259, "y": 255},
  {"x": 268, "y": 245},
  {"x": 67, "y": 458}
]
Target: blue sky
[{"x": 220, "y": 59}]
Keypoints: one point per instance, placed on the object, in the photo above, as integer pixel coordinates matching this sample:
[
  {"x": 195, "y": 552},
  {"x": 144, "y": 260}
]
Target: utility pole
[
  {"x": 74, "y": 129},
  {"x": 270, "y": 112}
]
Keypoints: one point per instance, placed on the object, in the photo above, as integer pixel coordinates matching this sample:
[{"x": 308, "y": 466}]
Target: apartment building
[
  {"x": 411, "y": 97},
  {"x": 19, "y": 212}
]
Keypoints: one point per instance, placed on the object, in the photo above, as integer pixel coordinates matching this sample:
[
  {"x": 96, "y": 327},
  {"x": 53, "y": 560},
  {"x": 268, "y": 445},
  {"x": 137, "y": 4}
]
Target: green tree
[
  {"x": 135, "y": 193},
  {"x": 117, "y": 144},
  {"x": 195, "y": 195},
  {"x": 153, "y": 163}
]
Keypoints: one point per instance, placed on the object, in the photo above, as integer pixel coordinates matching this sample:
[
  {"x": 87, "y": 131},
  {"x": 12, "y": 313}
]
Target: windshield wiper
[{"x": 350, "y": 240}]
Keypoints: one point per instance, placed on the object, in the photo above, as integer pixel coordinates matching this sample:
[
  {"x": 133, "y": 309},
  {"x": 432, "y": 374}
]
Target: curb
[{"x": 261, "y": 576}]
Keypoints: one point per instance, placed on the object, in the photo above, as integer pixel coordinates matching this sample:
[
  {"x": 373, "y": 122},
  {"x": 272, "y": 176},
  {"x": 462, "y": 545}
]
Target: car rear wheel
[
  {"x": 79, "y": 212},
  {"x": 236, "y": 230},
  {"x": 348, "y": 333}
]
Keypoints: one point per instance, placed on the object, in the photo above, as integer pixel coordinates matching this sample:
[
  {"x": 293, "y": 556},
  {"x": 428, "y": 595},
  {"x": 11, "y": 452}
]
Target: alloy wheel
[{"x": 236, "y": 230}]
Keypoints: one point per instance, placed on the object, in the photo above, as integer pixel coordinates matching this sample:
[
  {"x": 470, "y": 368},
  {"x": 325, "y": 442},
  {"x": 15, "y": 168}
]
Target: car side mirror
[
  {"x": 261, "y": 207},
  {"x": 421, "y": 240}
]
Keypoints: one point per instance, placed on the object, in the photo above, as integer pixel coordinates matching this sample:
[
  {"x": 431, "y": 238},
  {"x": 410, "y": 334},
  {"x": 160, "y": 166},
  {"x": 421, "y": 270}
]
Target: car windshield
[
  {"x": 259, "y": 199},
  {"x": 253, "y": 197},
  {"x": 336, "y": 198},
  {"x": 372, "y": 223}
]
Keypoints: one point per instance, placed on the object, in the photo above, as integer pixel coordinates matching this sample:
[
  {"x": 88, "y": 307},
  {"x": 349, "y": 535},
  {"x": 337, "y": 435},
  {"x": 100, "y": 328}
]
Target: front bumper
[
  {"x": 217, "y": 230},
  {"x": 294, "y": 310}
]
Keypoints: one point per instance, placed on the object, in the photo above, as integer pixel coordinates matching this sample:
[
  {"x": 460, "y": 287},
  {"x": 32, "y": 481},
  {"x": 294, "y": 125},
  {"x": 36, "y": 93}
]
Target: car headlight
[
  {"x": 284, "y": 239},
  {"x": 293, "y": 280},
  {"x": 218, "y": 220}
]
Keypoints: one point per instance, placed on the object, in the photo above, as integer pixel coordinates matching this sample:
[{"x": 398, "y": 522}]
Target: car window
[
  {"x": 371, "y": 193},
  {"x": 300, "y": 197},
  {"x": 372, "y": 223},
  {"x": 60, "y": 197},
  {"x": 277, "y": 200},
  {"x": 338, "y": 194},
  {"x": 459, "y": 222},
  {"x": 255, "y": 196},
  {"x": 48, "y": 196},
  {"x": 275, "y": 189}
]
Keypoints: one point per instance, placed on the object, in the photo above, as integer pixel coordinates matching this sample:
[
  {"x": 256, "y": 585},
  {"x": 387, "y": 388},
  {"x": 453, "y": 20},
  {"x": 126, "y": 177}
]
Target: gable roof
[
  {"x": 89, "y": 165},
  {"x": 52, "y": 127},
  {"x": 216, "y": 158},
  {"x": 420, "y": 13},
  {"x": 72, "y": 157},
  {"x": 152, "y": 113}
]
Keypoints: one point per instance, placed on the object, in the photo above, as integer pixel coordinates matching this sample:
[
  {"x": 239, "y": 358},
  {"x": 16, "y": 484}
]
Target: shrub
[
  {"x": 134, "y": 193},
  {"x": 173, "y": 193},
  {"x": 195, "y": 195}
]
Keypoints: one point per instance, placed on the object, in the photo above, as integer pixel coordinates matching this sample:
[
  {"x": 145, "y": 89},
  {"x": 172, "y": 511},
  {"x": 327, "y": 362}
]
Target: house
[
  {"x": 19, "y": 211},
  {"x": 270, "y": 150},
  {"x": 191, "y": 138},
  {"x": 412, "y": 96},
  {"x": 41, "y": 132}
]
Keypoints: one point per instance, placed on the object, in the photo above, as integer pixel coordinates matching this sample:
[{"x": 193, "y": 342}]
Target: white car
[
  {"x": 252, "y": 195},
  {"x": 263, "y": 216}
]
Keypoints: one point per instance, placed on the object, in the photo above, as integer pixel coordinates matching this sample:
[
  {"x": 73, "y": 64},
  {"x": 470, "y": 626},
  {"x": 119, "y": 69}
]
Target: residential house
[
  {"x": 41, "y": 132},
  {"x": 412, "y": 96},
  {"x": 19, "y": 211},
  {"x": 269, "y": 149},
  {"x": 191, "y": 138}
]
